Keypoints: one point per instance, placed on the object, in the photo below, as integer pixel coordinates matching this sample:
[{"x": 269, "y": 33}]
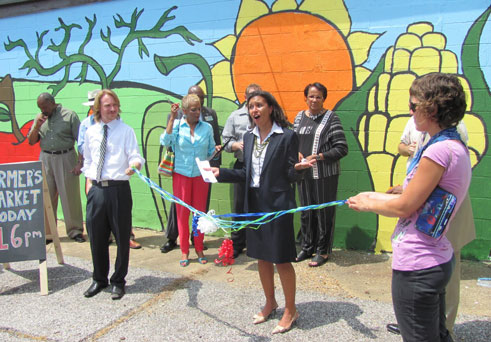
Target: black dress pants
[
  {"x": 239, "y": 236},
  {"x": 109, "y": 210},
  {"x": 317, "y": 226}
]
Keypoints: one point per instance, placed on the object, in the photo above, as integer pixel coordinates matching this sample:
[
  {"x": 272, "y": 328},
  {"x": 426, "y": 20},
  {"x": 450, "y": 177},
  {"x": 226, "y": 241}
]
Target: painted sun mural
[{"x": 283, "y": 48}]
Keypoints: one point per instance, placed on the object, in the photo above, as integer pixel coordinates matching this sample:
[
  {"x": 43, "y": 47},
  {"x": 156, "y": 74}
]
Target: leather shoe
[
  {"x": 94, "y": 289},
  {"x": 393, "y": 328},
  {"x": 168, "y": 246},
  {"x": 237, "y": 252},
  {"x": 79, "y": 238},
  {"x": 117, "y": 292}
]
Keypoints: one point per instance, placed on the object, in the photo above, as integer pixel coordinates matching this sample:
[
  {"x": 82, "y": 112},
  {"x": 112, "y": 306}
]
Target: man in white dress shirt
[{"x": 110, "y": 151}]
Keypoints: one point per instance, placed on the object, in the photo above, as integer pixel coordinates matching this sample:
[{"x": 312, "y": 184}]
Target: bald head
[
  {"x": 196, "y": 90},
  {"x": 46, "y": 103}
]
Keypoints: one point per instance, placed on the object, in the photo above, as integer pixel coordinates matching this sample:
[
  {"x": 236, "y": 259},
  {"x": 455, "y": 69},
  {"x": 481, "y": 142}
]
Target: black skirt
[{"x": 274, "y": 241}]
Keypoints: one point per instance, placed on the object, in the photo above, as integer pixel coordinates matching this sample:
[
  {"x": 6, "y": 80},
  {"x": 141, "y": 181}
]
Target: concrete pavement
[{"x": 346, "y": 300}]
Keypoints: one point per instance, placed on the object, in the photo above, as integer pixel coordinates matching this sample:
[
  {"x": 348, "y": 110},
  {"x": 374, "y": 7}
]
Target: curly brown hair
[{"x": 441, "y": 94}]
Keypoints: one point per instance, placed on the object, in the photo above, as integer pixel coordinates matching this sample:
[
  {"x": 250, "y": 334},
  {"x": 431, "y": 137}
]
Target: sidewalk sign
[{"x": 26, "y": 217}]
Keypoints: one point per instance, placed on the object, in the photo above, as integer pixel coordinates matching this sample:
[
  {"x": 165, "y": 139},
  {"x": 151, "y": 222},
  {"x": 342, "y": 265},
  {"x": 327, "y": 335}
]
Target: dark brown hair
[
  {"x": 442, "y": 94},
  {"x": 277, "y": 115},
  {"x": 320, "y": 87}
]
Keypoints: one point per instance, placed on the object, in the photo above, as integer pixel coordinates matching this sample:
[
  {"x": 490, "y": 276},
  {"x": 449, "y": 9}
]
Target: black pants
[
  {"x": 419, "y": 303},
  {"x": 317, "y": 226},
  {"x": 109, "y": 210},
  {"x": 239, "y": 237}
]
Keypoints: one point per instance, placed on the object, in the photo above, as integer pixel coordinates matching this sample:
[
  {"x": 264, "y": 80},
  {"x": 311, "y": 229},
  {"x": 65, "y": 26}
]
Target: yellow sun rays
[{"x": 333, "y": 11}]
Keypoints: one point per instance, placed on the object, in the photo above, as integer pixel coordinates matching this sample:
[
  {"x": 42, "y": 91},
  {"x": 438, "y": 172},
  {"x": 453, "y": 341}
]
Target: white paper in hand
[{"x": 208, "y": 176}]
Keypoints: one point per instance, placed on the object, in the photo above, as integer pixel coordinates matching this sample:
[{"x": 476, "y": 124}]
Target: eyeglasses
[{"x": 413, "y": 106}]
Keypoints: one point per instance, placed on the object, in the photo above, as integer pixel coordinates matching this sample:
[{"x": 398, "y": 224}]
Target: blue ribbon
[{"x": 262, "y": 218}]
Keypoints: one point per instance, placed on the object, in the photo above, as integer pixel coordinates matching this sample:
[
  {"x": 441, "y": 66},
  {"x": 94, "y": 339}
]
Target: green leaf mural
[
  {"x": 358, "y": 178},
  {"x": 166, "y": 64},
  {"x": 66, "y": 61},
  {"x": 481, "y": 105}
]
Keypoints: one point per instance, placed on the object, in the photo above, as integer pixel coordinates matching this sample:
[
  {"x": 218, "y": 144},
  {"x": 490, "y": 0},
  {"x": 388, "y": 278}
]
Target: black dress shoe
[
  {"x": 237, "y": 252},
  {"x": 79, "y": 238},
  {"x": 117, "y": 292},
  {"x": 94, "y": 289},
  {"x": 168, "y": 246},
  {"x": 303, "y": 255},
  {"x": 393, "y": 328}
]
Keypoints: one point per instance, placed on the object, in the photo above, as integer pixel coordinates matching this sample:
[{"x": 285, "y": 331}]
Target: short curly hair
[
  {"x": 319, "y": 86},
  {"x": 442, "y": 92},
  {"x": 189, "y": 100}
]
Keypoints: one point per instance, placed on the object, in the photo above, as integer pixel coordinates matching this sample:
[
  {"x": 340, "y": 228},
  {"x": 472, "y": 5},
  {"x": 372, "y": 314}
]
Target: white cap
[{"x": 91, "y": 97}]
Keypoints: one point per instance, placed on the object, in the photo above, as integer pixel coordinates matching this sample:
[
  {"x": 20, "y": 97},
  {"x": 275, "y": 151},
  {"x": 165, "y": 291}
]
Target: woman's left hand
[
  {"x": 364, "y": 200},
  {"x": 305, "y": 164}
]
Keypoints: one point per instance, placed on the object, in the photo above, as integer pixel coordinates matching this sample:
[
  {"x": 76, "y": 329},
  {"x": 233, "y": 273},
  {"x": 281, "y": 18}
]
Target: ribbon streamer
[{"x": 208, "y": 219}]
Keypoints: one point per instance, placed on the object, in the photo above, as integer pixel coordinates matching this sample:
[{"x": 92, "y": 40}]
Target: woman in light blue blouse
[{"x": 190, "y": 138}]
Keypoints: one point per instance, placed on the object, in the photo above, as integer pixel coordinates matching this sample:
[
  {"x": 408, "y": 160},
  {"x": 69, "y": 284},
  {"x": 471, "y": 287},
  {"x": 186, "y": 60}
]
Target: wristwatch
[{"x": 318, "y": 157}]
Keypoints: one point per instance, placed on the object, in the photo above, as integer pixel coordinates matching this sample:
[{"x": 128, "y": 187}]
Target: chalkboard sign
[{"x": 22, "y": 234}]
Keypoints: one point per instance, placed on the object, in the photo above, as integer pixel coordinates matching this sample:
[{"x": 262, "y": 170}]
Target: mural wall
[{"x": 366, "y": 53}]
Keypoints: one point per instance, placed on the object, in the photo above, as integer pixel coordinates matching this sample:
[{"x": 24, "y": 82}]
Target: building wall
[{"x": 366, "y": 53}]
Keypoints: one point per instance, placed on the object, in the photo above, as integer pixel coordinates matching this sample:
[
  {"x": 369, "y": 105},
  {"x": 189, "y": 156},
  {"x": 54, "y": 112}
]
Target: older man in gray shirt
[
  {"x": 56, "y": 128},
  {"x": 233, "y": 132}
]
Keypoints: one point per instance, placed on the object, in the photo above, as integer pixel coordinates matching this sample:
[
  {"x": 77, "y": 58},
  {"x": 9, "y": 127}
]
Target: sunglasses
[{"x": 413, "y": 106}]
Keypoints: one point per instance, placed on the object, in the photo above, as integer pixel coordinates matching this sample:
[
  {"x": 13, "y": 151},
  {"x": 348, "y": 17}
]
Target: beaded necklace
[{"x": 259, "y": 147}]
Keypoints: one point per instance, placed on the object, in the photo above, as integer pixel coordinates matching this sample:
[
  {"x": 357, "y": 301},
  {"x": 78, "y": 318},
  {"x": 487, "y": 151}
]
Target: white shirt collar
[{"x": 275, "y": 129}]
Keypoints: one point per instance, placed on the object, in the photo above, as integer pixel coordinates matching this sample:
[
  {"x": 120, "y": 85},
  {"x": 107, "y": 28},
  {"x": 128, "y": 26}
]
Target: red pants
[{"x": 193, "y": 191}]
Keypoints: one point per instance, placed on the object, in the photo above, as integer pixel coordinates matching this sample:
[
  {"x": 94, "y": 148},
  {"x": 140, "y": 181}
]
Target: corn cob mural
[{"x": 420, "y": 50}]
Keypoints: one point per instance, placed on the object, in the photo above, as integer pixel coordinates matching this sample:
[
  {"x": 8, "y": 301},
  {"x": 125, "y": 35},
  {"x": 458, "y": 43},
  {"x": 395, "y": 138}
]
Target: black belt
[
  {"x": 58, "y": 152},
  {"x": 106, "y": 183}
]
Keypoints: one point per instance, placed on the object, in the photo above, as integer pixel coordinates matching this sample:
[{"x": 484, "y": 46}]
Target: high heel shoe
[
  {"x": 280, "y": 330},
  {"x": 259, "y": 318}
]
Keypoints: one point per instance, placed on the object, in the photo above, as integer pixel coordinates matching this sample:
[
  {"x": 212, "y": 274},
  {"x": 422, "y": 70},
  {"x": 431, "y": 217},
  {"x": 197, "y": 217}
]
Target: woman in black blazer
[{"x": 270, "y": 167}]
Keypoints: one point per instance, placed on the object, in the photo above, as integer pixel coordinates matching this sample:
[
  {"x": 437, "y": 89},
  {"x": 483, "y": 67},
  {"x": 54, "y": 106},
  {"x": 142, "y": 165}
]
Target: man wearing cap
[
  {"x": 111, "y": 153},
  {"x": 84, "y": 125},
  {"x": 56, "y": 128}
]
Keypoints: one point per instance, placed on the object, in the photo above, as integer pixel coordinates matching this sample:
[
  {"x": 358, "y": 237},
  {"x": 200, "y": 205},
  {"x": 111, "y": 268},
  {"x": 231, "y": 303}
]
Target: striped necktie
[{"x": 102, "y": 154}]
